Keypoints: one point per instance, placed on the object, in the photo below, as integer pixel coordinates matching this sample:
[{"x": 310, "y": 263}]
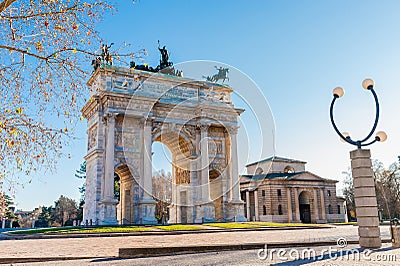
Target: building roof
[
  {"x": 277, "y": 159},
  {"x": 271, "y": 176},
  {"x": 288, "y": 176}
]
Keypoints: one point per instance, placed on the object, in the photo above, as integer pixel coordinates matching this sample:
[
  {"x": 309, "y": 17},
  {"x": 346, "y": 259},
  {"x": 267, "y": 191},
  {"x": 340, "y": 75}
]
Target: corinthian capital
[
  {"x": 203, "y": 127},
  {"x": 232, "y": 130},
  {"x": 109, "y": 118}
]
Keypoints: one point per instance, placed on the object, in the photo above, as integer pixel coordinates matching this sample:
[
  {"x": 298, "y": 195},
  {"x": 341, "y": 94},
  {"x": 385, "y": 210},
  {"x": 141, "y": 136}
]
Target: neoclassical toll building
[
  {"x": 281, "y": 190},
  {"x": 131, "y": 109}
]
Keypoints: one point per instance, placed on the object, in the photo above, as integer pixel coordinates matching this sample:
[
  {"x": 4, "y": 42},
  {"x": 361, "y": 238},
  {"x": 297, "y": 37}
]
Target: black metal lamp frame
[{"x": 358, "y": 143}]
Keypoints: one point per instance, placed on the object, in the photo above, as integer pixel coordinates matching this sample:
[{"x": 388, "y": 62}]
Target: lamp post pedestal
[{"x": 365, "y": 199}]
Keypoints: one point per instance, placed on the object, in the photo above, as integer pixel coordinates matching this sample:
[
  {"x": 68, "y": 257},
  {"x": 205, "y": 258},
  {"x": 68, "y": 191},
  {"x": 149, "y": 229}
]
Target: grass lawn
[
  {"x": 69, "y": 230},
  {"x": 173, "y": 227},
  {"x": 259, "y": 225},
  {"x": 343, "y": 223},
  {"x": 233, "y": 225},
  {"x": 177, "y": 227}
]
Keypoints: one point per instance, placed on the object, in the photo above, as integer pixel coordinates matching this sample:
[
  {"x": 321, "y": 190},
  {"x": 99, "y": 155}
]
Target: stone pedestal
[
  {"x": 205, "y": 213},
  {"x": 147, "y": 212},
  {"x": 235, "y": 211},
  {"x": 108, "y": 211},
  {"x": 396, "y": 236},
  {"x": 365, "y": 199}
]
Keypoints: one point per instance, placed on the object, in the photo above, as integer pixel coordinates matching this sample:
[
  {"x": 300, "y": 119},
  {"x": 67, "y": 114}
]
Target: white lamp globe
[
  {"x": 345, "y": 134},
  {"x": 338, "y": 91},
  {"x": 368, "y": 82},
  {"x": 381, "y": 135}
]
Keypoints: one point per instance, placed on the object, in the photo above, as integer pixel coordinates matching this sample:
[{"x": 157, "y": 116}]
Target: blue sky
[{"x": 295, "y": 51}]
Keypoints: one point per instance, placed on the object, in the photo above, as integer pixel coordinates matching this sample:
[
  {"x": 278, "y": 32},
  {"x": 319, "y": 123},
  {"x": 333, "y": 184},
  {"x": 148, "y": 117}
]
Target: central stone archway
[
  {"x": 131, "y": 109},
  {"x": 305, "y": 206}
]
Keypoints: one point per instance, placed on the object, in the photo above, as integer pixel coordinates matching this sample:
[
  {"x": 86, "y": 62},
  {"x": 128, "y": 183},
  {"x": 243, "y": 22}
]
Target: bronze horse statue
[{"x": 221, "y": 75}]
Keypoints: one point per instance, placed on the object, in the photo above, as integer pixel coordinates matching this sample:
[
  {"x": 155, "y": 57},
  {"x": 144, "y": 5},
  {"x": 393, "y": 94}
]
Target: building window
[
  {"x": 264, "y": 210},
  {"x": 289, "y": 170},
  {"x": 280, "y": 209},
  {"x": 279, "y": 192},
  {"x": 338, "y": 209},
  {"x": 263, "y": 193},
  {"x": 329, "y": 193},
  {"x": 330, "y": 209},
  {"x": 259, "y": 171}
]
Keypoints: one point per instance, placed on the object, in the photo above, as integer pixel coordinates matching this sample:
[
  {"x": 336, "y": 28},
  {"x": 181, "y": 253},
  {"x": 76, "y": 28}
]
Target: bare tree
[
  {"x": 387, "y": 186},
  {"x": 46, "y": 47},
  {"x": 162, "y": 193}
]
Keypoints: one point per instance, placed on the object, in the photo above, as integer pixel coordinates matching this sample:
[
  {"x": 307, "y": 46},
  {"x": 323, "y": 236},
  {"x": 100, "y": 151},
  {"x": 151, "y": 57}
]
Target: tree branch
[
  {"x": 5, "y": 3},
  {"x": 72, "y": 8},
  {"x": 10, "y": 48}
]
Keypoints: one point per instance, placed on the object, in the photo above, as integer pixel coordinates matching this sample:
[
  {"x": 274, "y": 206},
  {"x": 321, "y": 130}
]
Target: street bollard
[{"x": 395, "y": 232}]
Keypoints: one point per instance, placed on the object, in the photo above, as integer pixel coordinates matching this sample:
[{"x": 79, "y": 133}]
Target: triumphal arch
[{"x": 129, "y": 109}]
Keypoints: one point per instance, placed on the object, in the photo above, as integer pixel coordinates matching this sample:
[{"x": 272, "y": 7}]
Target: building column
[
  {"x": 323, "y": 216},
  {"x": 198, "y": 164},
  {"x": 205, "y": 163},
  {"x": 256, "y": 205},
  {"x": 233, "y": 131},
  {"x": 236, "y": 204},
  {"x": 248, "y": 205},
  {"x": 365, "y": 199},
  {"x": 206, "y": 202},
  {"x": 193, "y": 186},
  {"x": 289, "y": 204},
  {"x": 198, "y": 189},
  {"x": 108, "y": 202},
  {"x": 296, "y": 205},
  {"x": 316, "y": 213},
  {"x": 147, "y": 203},
  {"x": 147, "y": 162}
]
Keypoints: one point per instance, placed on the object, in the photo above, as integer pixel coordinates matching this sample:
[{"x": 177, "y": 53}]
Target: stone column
[
  {"x": 147, "y": 203},
  {"x": 205, "y": 183},
  {"x": 323, "y": 216},
  {"x": 296, "y": 205},
  {"x": 207, "y": 205},
  {"x": 236, "y": 204},
  {"x": 316, "y": 212},
  {"x": 234, "y": 165},
  {"x": 193, "y": 188},
  {"x": 248, "y": 205},
  {"x": 173, "y": 216},
  {"x": 198, "y": 164},
  {"x": 147, "y": 162},
  {"x": 108, "y": 202},
  {"x": 365, "y": 199},
  {"x": 289, "y": 204},
  {"x": 256, "y": 205}
]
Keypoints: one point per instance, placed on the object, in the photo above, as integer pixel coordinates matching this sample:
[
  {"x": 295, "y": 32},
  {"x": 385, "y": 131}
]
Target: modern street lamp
[
  {"x": 363, "y": 177},
  {"x": 381, "y": 136}
]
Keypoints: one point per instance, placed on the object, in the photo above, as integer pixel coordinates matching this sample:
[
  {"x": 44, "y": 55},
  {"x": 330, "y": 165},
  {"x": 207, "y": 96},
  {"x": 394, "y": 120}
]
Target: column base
[
  {"x": 108, "y": 210},
  {"x": 146, "y": 211},
  {"x": 205, "y": 213},
  {"x": 370, "y": 242},
  {"x": 235, "y": 211}
]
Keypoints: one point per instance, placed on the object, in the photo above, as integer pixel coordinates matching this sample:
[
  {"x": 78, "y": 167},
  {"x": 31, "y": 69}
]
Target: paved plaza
[
  {"x": 385, "y": 256},
  {"x": 102, "y": 249}
]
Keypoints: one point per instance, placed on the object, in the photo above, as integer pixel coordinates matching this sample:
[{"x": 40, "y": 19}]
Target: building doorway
[{"x": 304, "y": 206}]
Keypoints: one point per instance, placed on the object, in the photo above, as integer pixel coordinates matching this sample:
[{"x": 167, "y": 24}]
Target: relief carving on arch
[
  {"x": 182, "y": 176},
  {"x": 92, "y": 137}
]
